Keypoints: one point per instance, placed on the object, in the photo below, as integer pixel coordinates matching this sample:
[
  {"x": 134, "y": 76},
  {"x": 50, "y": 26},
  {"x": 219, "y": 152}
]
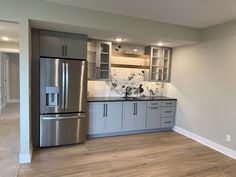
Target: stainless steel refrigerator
[{"x": 63, "y": 101}]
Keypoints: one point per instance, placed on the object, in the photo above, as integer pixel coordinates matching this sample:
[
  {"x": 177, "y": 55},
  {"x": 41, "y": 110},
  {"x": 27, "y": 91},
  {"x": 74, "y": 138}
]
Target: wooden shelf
[
  {"x": 129, "y": 66},
  {"x": 104, "y": 63},
  {"x": 130, "y": 55},
  {"x": 105, "y": 53}
]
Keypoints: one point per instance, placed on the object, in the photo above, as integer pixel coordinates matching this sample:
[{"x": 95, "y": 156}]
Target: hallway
[{"x": 9, "y": 137}]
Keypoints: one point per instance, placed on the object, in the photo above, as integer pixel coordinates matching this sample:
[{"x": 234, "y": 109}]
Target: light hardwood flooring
[
  {"x": 163, "y": 154},
  {"x": 9, "y": 141}
]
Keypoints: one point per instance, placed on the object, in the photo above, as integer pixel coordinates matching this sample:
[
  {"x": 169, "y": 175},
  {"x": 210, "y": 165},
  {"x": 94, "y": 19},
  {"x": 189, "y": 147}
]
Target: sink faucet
[{"x": 127, "y": 91}]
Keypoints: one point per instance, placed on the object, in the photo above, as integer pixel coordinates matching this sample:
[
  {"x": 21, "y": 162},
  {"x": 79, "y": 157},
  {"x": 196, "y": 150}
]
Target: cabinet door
[
  {"x": 140, "y": 116},
  {"x": 113, "y": 117},
  {"x": 104, "y": 60},
  {"x": 128, "y": 116},
  {"x": 153, "y": 117},
  {"x": 75, "y": 46},
  {"x": 92, "y": 59},
  {"x": 52, "y": 44},
  {"x": 96, "y": 118}
]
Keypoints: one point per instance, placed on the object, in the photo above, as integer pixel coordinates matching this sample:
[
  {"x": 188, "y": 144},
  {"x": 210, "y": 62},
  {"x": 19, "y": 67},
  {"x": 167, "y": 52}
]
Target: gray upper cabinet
[
  {"x": 99, "y": 60},
  {"x": 52, "y": 43},
  {"x": 134, "y": 116},
  {"x": 153, "y": 115},
  {"x": 105, "y": 117},
  {"x": 76, "y": 46},
  {"x": 160, "y": 63},
  {"x": 63, "y": 45}
]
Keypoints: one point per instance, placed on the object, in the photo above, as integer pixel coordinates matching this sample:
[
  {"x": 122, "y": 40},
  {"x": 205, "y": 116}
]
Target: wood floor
[{"x": 165, "y": 154}]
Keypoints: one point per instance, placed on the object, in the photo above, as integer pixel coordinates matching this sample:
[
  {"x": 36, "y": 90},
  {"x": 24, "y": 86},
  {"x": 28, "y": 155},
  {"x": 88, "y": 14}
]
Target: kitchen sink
[{"x": 130, "y": 98}]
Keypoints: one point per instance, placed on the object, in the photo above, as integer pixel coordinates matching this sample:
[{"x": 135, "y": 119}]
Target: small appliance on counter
[{"x": 63, "y": 101}]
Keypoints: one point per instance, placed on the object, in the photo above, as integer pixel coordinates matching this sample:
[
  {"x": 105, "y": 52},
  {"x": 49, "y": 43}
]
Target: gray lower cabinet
[
  {"x": 124, "y": 117},
  {"x": 105, "y": 117},
  {"x": 168, "y": 110},
  {"x": 153, "y": 115},
  {"x": 134, "y": 116}
]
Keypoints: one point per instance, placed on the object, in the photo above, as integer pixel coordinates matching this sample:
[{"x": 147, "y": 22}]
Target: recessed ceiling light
[
  {"x": 5, "y": 38},
  {"x": 118, "y": 39},
  {"x": 135, "y": 50},
  {"x": 160, "y": 43}
]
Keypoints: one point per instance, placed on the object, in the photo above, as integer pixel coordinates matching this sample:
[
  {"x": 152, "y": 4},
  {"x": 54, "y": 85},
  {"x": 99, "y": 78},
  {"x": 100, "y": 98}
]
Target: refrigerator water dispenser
[{"x": 52, "y": 96}]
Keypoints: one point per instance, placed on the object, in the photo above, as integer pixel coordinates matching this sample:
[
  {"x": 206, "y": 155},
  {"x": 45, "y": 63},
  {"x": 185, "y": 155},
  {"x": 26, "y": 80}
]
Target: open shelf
[
  {"x": 129, "y": 66},
  {"x": 104, "y": 53},
  {"x": 130, "y": 55}
]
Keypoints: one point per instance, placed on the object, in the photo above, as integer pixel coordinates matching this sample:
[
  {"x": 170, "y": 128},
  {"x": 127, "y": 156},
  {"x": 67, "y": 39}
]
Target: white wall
[
  {"x": 14, "y": 84},
  {"x": 203, "y": 80}
]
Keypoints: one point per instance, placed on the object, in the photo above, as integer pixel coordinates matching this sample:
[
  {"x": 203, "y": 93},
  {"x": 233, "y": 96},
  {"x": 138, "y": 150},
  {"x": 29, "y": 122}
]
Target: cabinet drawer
[
  {"x": 167, "y": 122},
  {"x": 169, "y": 103},
  {"x": 167, "y": 111},
  {"x": 153, "y": 103}
]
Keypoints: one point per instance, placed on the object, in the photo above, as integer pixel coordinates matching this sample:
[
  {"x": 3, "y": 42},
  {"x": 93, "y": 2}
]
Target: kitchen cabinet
[
  {"x": 168, "y": 110},
  {"x": 134, "y": 116},
  {"x": 153, "y": 115},
  {"x": 105, "y": 117},
  {"x": 63, "y": 45},
  {"x": 160, "y": 63},
  {"x": 99, "y": 60},
  {"x": 108, "y": 118}
]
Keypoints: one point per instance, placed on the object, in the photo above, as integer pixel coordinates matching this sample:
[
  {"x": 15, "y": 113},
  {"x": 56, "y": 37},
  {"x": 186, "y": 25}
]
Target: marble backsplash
[{"x": 125, "y": 79}]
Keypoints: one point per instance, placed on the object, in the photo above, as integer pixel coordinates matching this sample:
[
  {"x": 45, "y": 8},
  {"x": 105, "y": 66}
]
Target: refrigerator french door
[{"x": 63, "y": 101}]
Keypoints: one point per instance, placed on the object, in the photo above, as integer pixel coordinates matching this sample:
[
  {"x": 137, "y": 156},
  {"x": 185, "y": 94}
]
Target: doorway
[{"x": 9, "y": 99}]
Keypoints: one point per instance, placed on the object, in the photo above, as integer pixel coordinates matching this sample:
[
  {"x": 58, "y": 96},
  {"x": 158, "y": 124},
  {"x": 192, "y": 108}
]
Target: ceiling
[
  {"x": 10, "y": 30},
  {"x": 192, "y": 13},
  {"x": 108, "y": 34}
]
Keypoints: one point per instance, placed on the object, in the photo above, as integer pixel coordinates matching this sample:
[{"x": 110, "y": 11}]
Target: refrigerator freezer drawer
[{"x": 63, "y": 129}]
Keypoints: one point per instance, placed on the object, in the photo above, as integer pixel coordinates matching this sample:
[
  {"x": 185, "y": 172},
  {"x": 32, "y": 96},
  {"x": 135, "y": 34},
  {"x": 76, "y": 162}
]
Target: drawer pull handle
[
  {"x": 168, "y": 111},
  {"x": 154, "y": 107},
  {"x": 168, "y": 122},
  {"x": 154, "y": 103},
  {"x": 169, "y": 103}
]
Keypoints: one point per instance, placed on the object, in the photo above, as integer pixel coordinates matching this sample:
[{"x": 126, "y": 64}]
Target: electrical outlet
[{"x": 228, "y": 138}]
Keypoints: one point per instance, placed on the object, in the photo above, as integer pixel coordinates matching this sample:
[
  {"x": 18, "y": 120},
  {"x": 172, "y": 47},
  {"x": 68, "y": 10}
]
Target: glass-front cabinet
[
  {"x": 99, "y": 60},
  {"x": 160, "y": 63}
]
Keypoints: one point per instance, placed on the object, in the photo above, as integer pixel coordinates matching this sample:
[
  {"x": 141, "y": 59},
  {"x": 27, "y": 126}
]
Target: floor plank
[{"x": 162, "y": 154}]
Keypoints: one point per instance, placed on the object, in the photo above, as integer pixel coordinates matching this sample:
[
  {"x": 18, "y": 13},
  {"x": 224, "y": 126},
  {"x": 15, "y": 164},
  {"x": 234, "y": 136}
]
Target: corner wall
[{"x": 203, "y": 80}]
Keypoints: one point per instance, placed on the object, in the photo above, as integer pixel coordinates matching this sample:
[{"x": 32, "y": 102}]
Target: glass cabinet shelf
[
  {"x": 99, "y": 57},
  {"x": 160, "y": 60}
]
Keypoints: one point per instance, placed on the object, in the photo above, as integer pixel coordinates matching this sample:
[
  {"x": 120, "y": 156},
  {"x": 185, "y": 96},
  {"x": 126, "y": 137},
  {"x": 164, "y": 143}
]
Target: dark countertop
[{"x": 114, "y": 99}]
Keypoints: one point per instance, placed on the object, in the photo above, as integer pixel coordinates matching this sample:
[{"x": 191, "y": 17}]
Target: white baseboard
[
  {"x": 2, "y": 107},
  {"x": 222, "y": 149},
  {"x": 26, "y": 158},
  {"x": 13, "y": 101}
]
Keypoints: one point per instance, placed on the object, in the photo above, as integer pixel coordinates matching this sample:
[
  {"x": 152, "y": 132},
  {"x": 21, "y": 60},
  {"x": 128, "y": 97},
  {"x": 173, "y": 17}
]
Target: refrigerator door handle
[
  {"x": 79, "y": 116},
  {"x": 66, "y": 85},
  {"x": 63, "y": 87}
]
